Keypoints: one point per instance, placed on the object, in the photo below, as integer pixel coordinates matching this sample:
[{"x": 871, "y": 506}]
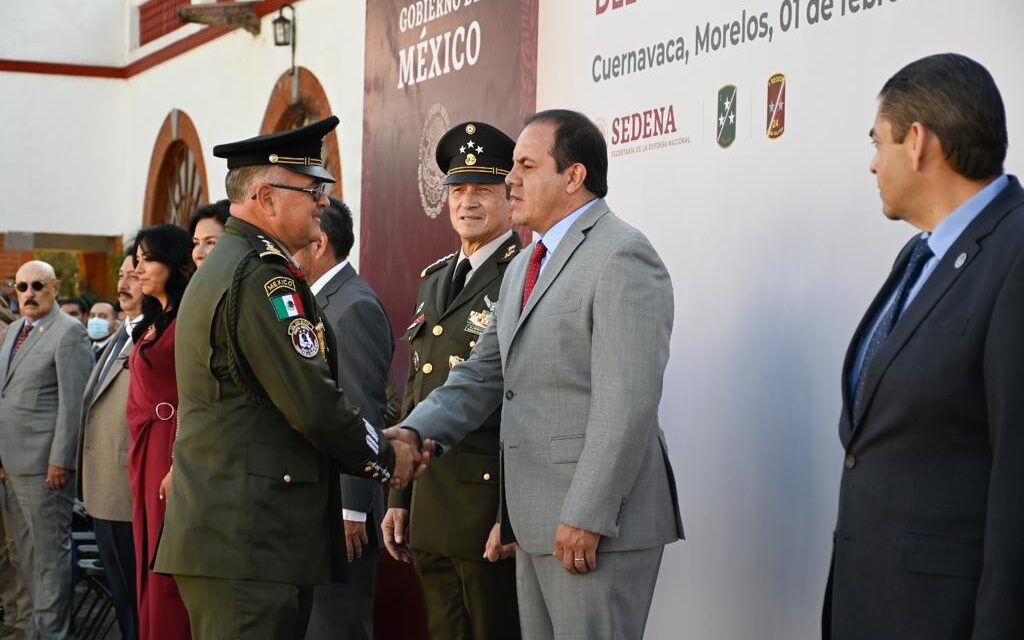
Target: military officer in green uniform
[
  {"x": 253, "y": 516},
  {"x": 448, "y": 517}
]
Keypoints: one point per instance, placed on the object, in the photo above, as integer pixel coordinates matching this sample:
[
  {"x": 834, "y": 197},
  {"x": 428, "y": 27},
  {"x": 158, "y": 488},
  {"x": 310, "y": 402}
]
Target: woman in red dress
[{"x": 164, "y": 265}]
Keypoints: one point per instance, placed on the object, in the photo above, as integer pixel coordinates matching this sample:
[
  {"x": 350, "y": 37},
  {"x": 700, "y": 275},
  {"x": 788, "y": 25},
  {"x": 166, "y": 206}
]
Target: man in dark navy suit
[{"x": 929, "y": 541}]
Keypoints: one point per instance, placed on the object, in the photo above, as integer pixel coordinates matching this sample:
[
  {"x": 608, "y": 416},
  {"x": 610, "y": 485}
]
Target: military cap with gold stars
[
  {"x": 297, "y": 150},
  {"x": 474, "y": 152}
]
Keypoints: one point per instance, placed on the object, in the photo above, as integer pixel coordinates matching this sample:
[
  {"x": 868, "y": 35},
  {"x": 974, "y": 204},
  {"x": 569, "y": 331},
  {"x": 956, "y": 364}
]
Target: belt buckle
[{"x": 164, "y": 407}]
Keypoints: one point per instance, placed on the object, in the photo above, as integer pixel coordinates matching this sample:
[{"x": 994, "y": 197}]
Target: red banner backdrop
[{"x": 430, "y": 64}]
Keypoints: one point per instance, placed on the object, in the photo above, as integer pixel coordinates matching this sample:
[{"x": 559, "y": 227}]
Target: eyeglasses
[
  {"x": 36, "y": 285},
  {"x": 316, "y": 192}
]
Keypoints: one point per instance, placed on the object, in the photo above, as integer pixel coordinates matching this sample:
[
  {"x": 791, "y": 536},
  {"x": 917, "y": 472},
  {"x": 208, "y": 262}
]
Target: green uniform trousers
[
  {"x": 221, "y": 609},
  {"x": 468, "y": 599}
]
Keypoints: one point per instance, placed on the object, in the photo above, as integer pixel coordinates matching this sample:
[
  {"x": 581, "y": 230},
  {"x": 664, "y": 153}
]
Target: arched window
[
  {"x": 177, "y": 173},
  {"x": 297, "y": 100}
]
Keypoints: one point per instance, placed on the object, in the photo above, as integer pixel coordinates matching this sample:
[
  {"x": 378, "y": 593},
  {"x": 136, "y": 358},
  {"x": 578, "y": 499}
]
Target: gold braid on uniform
[{"x": 236, "y": 361}]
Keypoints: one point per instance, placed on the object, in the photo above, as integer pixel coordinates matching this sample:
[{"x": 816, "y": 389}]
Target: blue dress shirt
[{"x": 554, "y": 235}]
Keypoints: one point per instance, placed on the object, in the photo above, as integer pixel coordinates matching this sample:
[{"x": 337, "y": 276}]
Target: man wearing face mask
[
  {"x": 101, "y": 326},
  {"x": 103, "y": 451},
  {"x": 46, "y": 359}
]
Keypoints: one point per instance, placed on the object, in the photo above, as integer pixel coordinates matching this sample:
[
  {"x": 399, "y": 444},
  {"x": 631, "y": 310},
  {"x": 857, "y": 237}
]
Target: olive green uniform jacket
[
  {"x": 453, "y": 506},
  {"x": 263, "y": 428}
]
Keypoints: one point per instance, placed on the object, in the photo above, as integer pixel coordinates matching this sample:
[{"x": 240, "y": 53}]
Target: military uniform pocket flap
[
  {"x": 414, "y": 330},
  {"x": 940, "y": 556},
  {"x": 284, "y": 464},
  {"x": 477, "y": 468},
  {"x": 566, "y": 448}
]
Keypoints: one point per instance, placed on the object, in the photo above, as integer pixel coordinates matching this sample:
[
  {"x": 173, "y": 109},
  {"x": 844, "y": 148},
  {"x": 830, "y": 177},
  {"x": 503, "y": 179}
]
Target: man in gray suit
[
  {"x": 17, "y": 606},
  {"x": 45, "y": 361},
  {"x": 577, "y": 349},
  {"x": 103, "y": 450},
  {"x": 365, "y": 347}
]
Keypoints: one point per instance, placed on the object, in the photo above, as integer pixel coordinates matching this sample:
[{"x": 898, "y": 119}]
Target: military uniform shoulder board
[
  {"x": 267, "y": 248},
  {"x": 434, "y": 266}
]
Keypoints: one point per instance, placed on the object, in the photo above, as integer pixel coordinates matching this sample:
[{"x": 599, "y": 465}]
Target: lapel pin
[{"x": 960, "y": 260}]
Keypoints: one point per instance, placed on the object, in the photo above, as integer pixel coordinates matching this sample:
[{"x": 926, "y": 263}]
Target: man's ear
[
  {"x": 916, "y": 144},
  {"x": 321, "y": 245},
  {"x": 575, "y": 176},
  {"x": 265, "y": 200}
]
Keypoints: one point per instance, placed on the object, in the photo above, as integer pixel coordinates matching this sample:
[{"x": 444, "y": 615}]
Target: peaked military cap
[
  {"x": 474, "y": 152},
  {"x": 297, "y": 150}
]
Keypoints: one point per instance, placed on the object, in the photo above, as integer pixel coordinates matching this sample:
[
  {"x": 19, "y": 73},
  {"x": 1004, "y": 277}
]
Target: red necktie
[
  {"x": 22, "y": 336},
  {"x": 533, "y": 272}
]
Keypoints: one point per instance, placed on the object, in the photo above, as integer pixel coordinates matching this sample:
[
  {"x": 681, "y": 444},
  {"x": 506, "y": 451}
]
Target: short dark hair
[
  {"x": 336, "y": 223},
  {"x": 577, "y": 139},
  {"x": 957, "y": 99},
  {"x": 219, "y": 211},
  {"x": 103, "y": 301},
  {"x": 82, "y": 307}
]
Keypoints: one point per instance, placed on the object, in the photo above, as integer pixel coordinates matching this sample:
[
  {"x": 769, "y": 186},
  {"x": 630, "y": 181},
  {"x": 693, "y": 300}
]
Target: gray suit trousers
[
  {"x": 17, "y": 624},
  {"x": 41, "y": 520},
  {"x": 610, "y": 603}
]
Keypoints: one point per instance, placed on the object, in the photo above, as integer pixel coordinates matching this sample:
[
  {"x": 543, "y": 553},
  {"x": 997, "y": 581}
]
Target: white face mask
[{"x": 98, "y": 328}]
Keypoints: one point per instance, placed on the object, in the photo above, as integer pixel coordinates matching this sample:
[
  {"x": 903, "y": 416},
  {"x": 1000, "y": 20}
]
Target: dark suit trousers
[
  {"x": 467, "y": 599},
  {"x": 344, "y": 610},
  {"x": 117, "y": 552}
]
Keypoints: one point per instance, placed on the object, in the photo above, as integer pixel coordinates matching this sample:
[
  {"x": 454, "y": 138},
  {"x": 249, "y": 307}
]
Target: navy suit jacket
[{"x": 929, "y": 540}]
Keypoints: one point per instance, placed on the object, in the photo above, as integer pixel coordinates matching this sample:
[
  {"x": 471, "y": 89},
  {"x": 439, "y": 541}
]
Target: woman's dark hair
[
  {"x": 171, "y": 246},
  {"x": 219, "y": 211}
]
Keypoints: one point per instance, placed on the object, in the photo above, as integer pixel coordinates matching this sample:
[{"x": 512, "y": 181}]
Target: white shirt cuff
[{"x": 354, "y": 516}]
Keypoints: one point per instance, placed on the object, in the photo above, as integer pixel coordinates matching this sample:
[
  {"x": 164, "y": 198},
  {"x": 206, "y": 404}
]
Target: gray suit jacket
[
  {"x": 580, "y": 371},
  {"x": 363, "y": 354},
  {"x": 103, "y": 481},
  {"x": 41, "y": 395}
]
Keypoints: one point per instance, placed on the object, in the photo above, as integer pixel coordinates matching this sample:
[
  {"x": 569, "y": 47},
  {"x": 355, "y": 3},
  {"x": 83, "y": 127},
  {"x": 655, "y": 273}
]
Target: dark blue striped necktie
[{"x": 918, "y": 257}]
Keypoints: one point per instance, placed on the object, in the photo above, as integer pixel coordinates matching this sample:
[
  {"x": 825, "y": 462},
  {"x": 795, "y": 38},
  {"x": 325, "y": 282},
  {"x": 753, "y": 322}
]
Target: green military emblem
[
  {"x": 304, "y": 338},
  {"x": 726, "y": 115}
]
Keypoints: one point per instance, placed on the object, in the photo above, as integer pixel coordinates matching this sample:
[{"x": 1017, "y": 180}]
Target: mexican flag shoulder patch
[{"x": 288, "y": 306}]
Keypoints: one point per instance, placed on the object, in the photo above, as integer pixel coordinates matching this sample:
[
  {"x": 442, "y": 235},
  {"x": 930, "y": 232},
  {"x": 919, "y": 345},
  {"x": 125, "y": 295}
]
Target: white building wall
[{"x": 82, "y": 146}]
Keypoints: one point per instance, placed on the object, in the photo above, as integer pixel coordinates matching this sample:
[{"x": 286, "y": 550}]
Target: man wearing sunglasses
[
  {"x": 254, "y": 515},
  {"x": 45, "y": 361}
]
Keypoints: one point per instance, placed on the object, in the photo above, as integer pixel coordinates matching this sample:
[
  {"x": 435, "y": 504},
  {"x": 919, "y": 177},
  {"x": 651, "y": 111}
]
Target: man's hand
[
  {"x": 407, "y": 438},
  {"x": 355, "y": 538},
  {"x": 3, "y": 475},
  {"x": 576, "y": 548},
  {"x": 165, "y": 484},
  {"x": 56, "y": 477},
  {"x": 407, "y": 458},
  {"x": 395, "y": 530},
  {"x": 494, "y": 550}
]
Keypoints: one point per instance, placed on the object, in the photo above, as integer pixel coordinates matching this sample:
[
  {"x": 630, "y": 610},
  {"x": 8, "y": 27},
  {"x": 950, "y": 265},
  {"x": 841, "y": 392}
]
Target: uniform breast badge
[{"x": 478, "y": 322}]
